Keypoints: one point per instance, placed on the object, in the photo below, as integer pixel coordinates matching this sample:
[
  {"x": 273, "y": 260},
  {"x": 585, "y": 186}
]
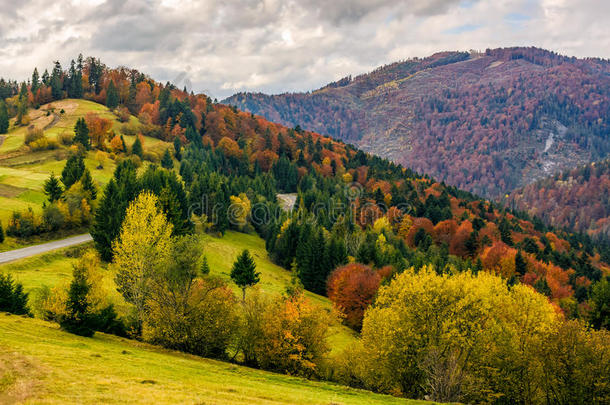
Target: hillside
[
  {"x": 577, "y": 199},
  {"x": 23, "y": 169},
  {"x": 41, "y": 364},
  {"x": 485, "y": 122}
]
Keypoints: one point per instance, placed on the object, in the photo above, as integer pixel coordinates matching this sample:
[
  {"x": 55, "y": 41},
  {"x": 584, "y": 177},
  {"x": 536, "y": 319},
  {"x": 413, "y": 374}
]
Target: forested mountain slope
[
  {"x": 577, "y": 199},
  {"x": 485, "y": 122}
]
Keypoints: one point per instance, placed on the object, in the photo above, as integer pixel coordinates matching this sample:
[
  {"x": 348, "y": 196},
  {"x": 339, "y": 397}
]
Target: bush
[
  {"x": 287, "y": 335},
  {"x": 205, "y": 326},
  {"x": 34, "y": 134},
  {"x": 153, "y": 131},
  {"x": 12, "y": 297},
  {"x": 66, "y": 138},
  {"x": 23, "y": 224},
  {"x": 52, "y": 218},
  {"x": 130, "y": 129},
  {"x": 123, "y": 114},
  {"x": 151, "y": 157}
]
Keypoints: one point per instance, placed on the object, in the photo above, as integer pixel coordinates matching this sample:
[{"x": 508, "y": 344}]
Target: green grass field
[{"x": 41, "y": 364}]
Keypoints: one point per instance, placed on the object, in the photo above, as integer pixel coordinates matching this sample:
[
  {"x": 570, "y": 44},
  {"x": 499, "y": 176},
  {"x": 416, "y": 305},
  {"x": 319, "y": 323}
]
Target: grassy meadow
[{"x": 41, "y": 364}]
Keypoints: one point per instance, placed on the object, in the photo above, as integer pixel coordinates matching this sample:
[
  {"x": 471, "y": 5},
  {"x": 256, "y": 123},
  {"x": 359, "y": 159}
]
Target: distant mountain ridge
[{"x": 486, "y": 122}]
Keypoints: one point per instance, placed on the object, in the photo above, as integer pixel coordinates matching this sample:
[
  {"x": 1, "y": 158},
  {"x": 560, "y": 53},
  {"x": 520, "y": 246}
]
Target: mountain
[
  {"x": 485, "y": 122},
  {"x": 577, "y": 199}
]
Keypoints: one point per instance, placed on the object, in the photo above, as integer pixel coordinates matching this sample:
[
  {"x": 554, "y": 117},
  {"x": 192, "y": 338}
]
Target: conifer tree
[
  {"x": 205, "y": 267},
  {"x": 88, "y": 184},
  {"x": 136, "y": 148},
  {"x": 112, "y": 96},
  {"x": 35, "y": 81},
  {"x": 73, "y": 170},
  {"x": 177, "y": 148},
  {"x": 244, "y": 272},
  {"x": 78, "y": 319},
  {"x": 1, "y": 233},
  {"x": 81, "y": 133},
  {"x": 52, "y": 188},
  {"x": 520, "y": 264},
  {"x": 166, "y": 161},
  {"x": 3, "y": 118},
  {"x": 56, "y": 84},
  {"x": 108, "y": 220}
]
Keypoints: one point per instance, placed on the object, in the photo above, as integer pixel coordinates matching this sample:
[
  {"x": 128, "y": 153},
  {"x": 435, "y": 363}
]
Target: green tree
[
  {"x": 81, "y": 133},
  {"x": 1, "y": 233},
  {"x": 56, "y": 82},
  {"x": 73, "y": 170},
  {"x": 88, "y": 184},
  {"x": 3, "y": 118},
  {"x": 108, "y": 218},
  {"x": 520, "y": 264},
  {"x": 52, "y": 188},
  {"x": 177, "y": 148},
  {"x": 166, "y": 161},
  {"x": 244, "y": 272},
  {"x": 35, "y": 81},
  {"x": 205, "y": 267},
  {"x": 112, "y": 96},
  {"x": 136, "y": 148},
  {"x": 78, "y": 319},
  {"x": 600, "y": 300},
  {"x": 12, "y": 297}
]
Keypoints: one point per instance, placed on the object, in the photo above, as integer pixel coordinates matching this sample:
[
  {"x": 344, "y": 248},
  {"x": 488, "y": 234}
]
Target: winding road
[{"x": 22, "y": 253}]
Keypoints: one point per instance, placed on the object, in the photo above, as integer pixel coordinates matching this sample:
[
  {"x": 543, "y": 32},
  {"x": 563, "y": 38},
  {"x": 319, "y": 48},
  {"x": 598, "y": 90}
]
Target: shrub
[
  {"x": 204, "y": 325},
  {"x": 23, "y": 224},
  {"x": 12, "y": 297},
  {"x": 65, "y": 138},
  {"x": 123, "y": 114},
  {"x": 286, "y": 335},
  {"x": 130, "y": 129},
  {"x": 52, "y": 218},
  {"x": 33, "y": 134},
  {"x": 151, "y": 156}
]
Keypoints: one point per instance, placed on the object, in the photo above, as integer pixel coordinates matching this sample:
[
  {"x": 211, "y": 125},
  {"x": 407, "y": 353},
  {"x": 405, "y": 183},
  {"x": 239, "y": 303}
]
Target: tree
[
  {"x": 56, "y": 81},
  {"x": 244, "y": 272},
  {"x": 81, "y": 133},
  {"x": 35, "y": 81},
  {"x": 78, "y": 319},
  {"x": 351, "y": 289},
  {"x": 1, "y": 233},
  {"x": 52, "y": 188},
  {"x": 136, "y": 148},
  {"x": 12, "y": 297},
  {"x": 112, "y": 96},
  {"x": 3, "y": 118},
  {"x": 73, "y": 170},
  {"x": 520, "y": 264},
  {"x": 600, "y": 300},
  {"x": 108, "y": 218},
  {"x": 205, "y": 267},
  {"x": 167, "y": 161},
  {"x": 142, "y": 248},
  {"x": 177, "y": 148},
  {"x": 88, "y": 184}
]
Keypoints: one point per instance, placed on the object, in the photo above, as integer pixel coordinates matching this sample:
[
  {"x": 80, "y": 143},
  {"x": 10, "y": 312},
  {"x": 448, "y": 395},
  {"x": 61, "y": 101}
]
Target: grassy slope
[
  {"x": 23, "y": 172},
  {"x": 41, "y": 364}
]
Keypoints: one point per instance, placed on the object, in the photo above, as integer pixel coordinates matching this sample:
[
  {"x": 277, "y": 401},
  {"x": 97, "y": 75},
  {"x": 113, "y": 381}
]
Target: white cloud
[{"x": 283, "y": 45}]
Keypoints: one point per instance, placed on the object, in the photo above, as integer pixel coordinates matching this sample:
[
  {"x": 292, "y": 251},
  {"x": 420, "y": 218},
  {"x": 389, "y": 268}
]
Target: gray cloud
[{"x": 283, "y": 45}]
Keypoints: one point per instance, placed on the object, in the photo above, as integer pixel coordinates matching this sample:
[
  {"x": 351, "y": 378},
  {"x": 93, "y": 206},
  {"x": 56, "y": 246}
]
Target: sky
[{"x": 221, "y": 47}]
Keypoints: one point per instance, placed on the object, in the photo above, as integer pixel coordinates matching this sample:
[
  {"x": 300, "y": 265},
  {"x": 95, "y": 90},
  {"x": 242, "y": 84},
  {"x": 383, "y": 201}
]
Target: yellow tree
[{"x": 142, "y": 249}]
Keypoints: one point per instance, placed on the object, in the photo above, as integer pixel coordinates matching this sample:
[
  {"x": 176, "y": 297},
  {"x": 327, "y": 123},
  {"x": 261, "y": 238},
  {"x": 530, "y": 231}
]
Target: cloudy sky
[{"x": 225, "y": 46}]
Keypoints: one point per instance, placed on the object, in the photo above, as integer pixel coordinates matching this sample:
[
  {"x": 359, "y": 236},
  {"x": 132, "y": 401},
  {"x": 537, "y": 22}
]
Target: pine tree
[
  {"x": 205, "y": 267},
  {"x": 505, "y": 233},
  {"x": 1, "y": 233},
  {"x": 73, "y": 170},
  {"x": 12, "y": 297},
  {"x": 52, "y": 188},
  {"x": 35, "y": 81},
  {"x": 78, "y": 319},
  {"x": 166, "y": 161},
  {"x": 177, "y": 148},
  {"x": 244, "y": 272},
  {"x": 56, "y": 84},
  {"x": 81, "y": 133},
  {"x": 112, "y": 96},
  {"x": 108, "y": 219},
  {"x": 136, "y": 148},
  {"x": 88, "y": 184},
  {"x": 520, "y": 264},
  {"x": 3, "y": 118}
]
